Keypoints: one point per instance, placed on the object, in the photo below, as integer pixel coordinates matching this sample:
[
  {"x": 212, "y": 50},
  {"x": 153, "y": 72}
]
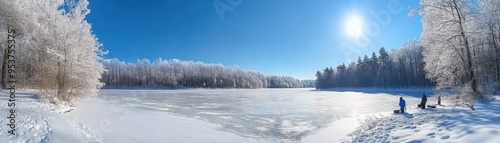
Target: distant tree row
[
  {"x": 310, "y": 83},
  {"x": 179, "y": 74},
  {"x": 400, "y": 68}
]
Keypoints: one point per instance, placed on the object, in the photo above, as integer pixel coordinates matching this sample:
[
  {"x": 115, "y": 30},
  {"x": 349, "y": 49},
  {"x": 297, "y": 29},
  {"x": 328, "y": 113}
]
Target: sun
[{"x": 354, "y": 26}]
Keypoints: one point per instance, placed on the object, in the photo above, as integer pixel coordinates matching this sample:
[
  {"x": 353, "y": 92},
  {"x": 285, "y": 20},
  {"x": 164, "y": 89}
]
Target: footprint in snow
[
  {"x": 389, "y": 128},
  {"x": 445, "y": 137},
  {"x": 431, "y": 134}
]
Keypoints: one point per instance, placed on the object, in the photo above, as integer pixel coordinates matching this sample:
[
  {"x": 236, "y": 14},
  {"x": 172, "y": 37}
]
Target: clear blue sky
[{"x": 276, "y": 37}]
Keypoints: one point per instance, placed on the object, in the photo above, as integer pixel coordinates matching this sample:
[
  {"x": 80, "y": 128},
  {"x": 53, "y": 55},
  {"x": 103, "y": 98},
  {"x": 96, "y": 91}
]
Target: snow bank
[
  {"x": 39, "y": 122},
  {"x": 441, "y": 124},
  {"x": 335, "y": 132}
]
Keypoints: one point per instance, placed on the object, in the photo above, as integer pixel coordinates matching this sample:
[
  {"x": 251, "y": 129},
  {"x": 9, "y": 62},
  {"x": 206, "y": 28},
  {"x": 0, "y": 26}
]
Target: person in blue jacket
[{"x": 402, "y": 104}]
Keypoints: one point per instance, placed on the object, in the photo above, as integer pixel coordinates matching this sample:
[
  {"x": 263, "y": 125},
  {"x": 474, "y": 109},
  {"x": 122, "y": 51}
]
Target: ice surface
[
  {"x": 117, "y": 122},
  {"x": 271, "y": 114}
]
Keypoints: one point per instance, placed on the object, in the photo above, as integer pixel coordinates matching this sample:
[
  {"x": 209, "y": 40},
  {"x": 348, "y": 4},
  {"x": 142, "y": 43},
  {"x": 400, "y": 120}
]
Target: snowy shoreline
[{"x": 446, "y": 123}]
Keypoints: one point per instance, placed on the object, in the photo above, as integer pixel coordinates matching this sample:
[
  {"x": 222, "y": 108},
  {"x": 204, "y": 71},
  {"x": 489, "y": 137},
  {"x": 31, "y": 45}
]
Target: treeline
[
  {"x": 310, "y": 83},
  {"x": 399, "y": 68},
  {"x": 180, "y": 74}
]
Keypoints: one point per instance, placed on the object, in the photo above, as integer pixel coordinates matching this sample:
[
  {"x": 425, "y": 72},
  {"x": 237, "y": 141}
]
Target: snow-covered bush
[
  {"x": 464, "y": 95},
  {"x": 368, "y": 123},
  {"x": 365, "y": 124},
  {"x": 488, "y": 89}
]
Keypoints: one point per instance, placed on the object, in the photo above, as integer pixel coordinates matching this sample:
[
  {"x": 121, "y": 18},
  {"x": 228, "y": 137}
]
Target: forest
[
  {"x": 188, "y": 74},
  {"x": 401, "y": 68}
]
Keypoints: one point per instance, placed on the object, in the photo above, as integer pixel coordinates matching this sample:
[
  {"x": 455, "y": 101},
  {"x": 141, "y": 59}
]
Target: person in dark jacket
[
  {"x": 439, "y": 100},
  {"x": 402, "y": 104},
  {"x": 424, "y": 100}
]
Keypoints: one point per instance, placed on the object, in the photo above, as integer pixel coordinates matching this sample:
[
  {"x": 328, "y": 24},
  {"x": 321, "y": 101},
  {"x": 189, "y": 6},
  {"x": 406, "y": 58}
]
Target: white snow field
[
  {"x": 248, "y": 115},
  {"x": 442, "y": 124},
  {"x": 39, "y": 122}
]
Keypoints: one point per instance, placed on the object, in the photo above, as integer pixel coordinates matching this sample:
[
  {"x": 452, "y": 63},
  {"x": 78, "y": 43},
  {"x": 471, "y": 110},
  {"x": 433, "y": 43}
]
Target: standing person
[
  {"x": 439, "y": 100},
  {"x": 402, "y": 104},
  {"x": 424, "y": 99}
]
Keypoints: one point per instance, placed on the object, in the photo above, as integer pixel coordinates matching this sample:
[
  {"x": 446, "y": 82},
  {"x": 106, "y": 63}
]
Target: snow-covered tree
[
  {"x": 385, "y": 66},
  {"x": 408, "y": 64},
  {"x": 489, "y": 22},
  {"x": 283, "y": 82},
  {"x": 450, "y": 37},
  {"x": 17, "y": 18},
  {"x": 58, "y": 54}
]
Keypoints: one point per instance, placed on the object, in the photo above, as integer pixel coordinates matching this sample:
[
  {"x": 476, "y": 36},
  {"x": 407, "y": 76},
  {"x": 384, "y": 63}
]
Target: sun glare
[{"x": 354, "y": 26}]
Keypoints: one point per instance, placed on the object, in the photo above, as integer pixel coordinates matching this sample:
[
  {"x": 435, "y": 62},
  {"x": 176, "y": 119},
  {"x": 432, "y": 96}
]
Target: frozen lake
[{"x": 271, "y": 114}]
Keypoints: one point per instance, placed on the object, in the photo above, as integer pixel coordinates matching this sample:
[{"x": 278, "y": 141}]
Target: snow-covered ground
[
  {"x": 36, "y": 121},
  {"x": 262, "y": 115},
  {"x": 442, "y": 124}
]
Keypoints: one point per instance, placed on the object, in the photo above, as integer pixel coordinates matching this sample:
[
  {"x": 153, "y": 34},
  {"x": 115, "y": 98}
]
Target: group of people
[{"x": 402, "y": 103}]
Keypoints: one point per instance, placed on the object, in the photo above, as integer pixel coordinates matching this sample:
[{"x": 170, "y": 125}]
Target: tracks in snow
[{"x": 40, "y": 122}]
